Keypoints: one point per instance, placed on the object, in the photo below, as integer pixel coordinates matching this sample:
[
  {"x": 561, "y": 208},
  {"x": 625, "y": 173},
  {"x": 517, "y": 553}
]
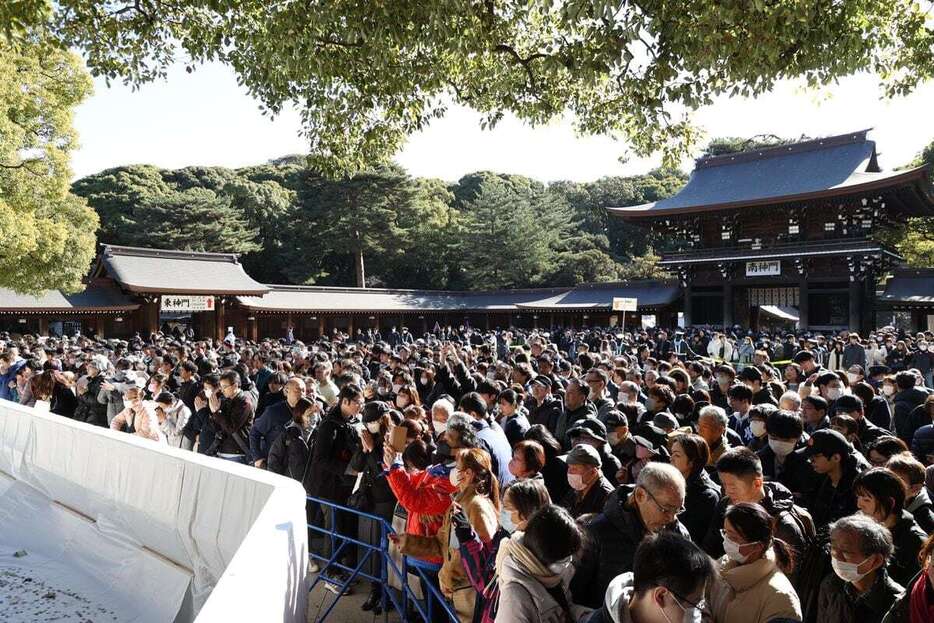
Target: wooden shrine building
[{"x": 796, "y": 228}]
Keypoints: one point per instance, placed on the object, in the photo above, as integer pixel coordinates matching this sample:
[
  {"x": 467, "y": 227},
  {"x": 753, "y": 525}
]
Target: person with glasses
[
  {"x": 669, "y": 578},
  {"x": 232, "y": 415},
  {"x": 335, "y": 444},
  {"x": 631, "y": 512},
  {"x": 741, "y": 475},
  {"x": 751, "y": 585}
]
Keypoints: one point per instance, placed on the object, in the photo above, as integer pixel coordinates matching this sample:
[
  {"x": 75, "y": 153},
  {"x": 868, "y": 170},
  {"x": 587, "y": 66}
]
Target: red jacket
[{"x": 425, "y": 495}]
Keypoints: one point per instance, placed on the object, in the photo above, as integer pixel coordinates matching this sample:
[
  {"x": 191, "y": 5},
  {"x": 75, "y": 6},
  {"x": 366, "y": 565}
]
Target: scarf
[
  {"x": 921, "y": 606},
  {"x": 514, "y": 548}
]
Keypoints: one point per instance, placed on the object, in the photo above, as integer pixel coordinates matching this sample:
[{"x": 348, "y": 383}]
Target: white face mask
[
  {"x": 559, "y": 566},
  {"x": 852, "y": 377},
  {"x": 848, "y": 571},
  {"x": 373, "y": 427},
  {"x": 424, "y": 380},
  {"x": 834, "y": 393},
  {"x": 781, "y": 448},
  {"x": 440, "y": 426},
  {"x": 576, "y": 481},
  {"x": 402, "y": 401},
  {"x": 732, "y": 550},
  {"x": 455, "y": 476},
  {"x": 613, "y": 438},
  {"x": 757, "y": 428},
  {"x": 692, "y": 614},
  {"x": 396, "y": 387}
]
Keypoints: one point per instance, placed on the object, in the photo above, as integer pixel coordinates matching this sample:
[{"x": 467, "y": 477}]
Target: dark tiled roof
[
  {"x": 93, "y": 298},
  {"x": 600, "y": 296},
  {"x": 178, "y": 272},
  {"x": 834, "y": 165},
  {"x": 328, "y": 299},
  {"x": 910, "y": 286}
]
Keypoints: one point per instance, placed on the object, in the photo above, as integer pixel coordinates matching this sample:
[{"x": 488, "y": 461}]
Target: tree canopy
[
  {"x": 366, "y": 75},
  {"x": 47, "y": 233}
]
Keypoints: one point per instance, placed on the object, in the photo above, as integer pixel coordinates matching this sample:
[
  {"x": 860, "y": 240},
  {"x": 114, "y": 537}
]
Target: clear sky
[{"x": 205, "y": 118}]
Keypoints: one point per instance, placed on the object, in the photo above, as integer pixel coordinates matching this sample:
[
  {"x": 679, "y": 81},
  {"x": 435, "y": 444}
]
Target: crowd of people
[{"x": 569, "y": 475}]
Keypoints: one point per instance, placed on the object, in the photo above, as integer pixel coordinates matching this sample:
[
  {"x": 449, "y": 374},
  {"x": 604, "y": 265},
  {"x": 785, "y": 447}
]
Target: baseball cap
[{"x": 591, "y": 427}]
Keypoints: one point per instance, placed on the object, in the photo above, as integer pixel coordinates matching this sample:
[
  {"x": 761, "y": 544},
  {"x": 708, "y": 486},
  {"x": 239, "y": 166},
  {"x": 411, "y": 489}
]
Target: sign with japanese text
[
  {"x": 763, "y": 269},
  {"x": 624, "y": 304},
  {"x": 187, "y": 303}
]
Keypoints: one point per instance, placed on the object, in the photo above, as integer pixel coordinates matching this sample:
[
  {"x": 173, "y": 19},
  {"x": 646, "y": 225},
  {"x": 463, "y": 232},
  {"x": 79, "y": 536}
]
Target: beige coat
[
  {"x": 751, "y": 593},
  {"x": 483, "y": 518}
]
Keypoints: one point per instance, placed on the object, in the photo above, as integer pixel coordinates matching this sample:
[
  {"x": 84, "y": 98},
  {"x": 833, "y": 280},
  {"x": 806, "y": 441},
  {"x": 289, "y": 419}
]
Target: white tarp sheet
[{"x": 239, "y": 533}]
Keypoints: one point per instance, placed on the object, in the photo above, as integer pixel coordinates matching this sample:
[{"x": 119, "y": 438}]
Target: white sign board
[
  {"x": 624, "y": 304},
  {"x": 648, "y": 321},
  {"x": 187, "y": 303},
  {"x": 763, "y": 269}
]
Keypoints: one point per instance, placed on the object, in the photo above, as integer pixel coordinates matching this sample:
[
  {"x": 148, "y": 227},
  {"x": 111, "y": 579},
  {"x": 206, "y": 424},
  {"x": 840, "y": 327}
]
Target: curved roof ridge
[
  {"x": 783, "y": 149},
  {"x": 113, "y": 249}
]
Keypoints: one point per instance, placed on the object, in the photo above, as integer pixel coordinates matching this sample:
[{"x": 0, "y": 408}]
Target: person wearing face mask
[
  {"x": 521, "y": 500},
  {"x": 406, "y": 396},
  {"x": 441, "y": 411},
  {"x": 689, "y": 454},
  {"x": 859, "y": 589},
  {"x": 781, "y": 458},
  {"x": 631, "y": 513},
  {"x": 830, "y": 388},
  {"x": 751, "y": 586},
  {"x": 759, "y": 438},
  {"x": 618, "y": 435},
  {"x": 534, "y": 568},
  {"x": 477, "y": 496},
  {"x": 589, "y": 487},
  {"x": 667, "y": 584},
  {"x": 880, "y": 495},
  {"x": 373, "y": 494},
  {"x": 592, "y": 432}
]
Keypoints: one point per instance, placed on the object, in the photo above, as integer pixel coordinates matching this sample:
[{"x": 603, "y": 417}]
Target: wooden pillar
[
  {"x": 220, "y": 325},
  {"x": 152, "y": 316},
  {"x": 687, "y": 305},
  {"x": 803, "y": 309},
  {"x": 43, "y": 325},
  {"x": 350, "y": 327},
  {"x": 254, "y": 329},
  {"x": 321, "y": 326},
  {"x": 727, "y": 304},
  {"x": 855, "y": 296}
]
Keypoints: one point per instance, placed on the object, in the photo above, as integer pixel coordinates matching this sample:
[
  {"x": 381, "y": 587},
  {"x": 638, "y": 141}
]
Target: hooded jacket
[
  {"x": 290, "y": 455},
  {"x": 614, "y": 536}
]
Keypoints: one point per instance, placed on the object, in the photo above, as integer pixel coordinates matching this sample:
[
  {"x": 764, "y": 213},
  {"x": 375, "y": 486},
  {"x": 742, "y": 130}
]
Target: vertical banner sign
[{"x": 186, "y": 303}]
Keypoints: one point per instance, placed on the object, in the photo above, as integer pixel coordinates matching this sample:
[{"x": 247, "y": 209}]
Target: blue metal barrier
[{"x": 434, "y": 603}]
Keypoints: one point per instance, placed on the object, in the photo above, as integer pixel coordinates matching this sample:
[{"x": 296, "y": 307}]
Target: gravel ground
[{"x": 25, "y": 597}]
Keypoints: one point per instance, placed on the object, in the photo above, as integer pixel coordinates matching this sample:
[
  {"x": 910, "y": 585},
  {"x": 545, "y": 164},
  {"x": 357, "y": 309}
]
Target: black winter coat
[
  {"x": 905, "y": 403},
  {"x": 700, "y": 505},
  {"x": 89, "y": 409},
  {"x": 290, "y": 455},
  {"x": 335, "y": 444},
  {"x": 614, "y": 536},
  {"x": 908, "y": 539},
  {"x": 370, "y": 464}
]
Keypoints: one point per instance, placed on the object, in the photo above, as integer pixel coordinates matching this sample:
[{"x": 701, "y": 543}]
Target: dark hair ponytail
[{"x": 757, "y": 526}]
